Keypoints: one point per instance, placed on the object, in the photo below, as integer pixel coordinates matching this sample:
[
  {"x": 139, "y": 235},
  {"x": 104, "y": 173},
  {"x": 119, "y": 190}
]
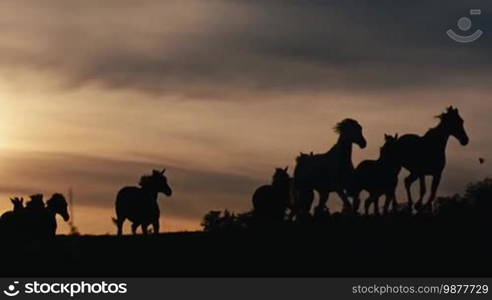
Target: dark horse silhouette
[
  {"x": 379, "y": 177},
  {"x": 270, "y": 202},
  {"x": 36, "y": 219},
  {"x": 426, "y": 155},
  {"x": 328, "y": 172},
  {"x": 139, "y": 204}
]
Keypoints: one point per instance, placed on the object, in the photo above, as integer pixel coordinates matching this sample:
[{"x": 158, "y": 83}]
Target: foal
[
  {"x": 271, "y": 201},
  {"x": 379, "y": 177}
]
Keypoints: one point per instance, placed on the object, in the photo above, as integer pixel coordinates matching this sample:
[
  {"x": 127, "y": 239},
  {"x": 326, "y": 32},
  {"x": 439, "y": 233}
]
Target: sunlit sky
[{"x": 93, "y": 95}]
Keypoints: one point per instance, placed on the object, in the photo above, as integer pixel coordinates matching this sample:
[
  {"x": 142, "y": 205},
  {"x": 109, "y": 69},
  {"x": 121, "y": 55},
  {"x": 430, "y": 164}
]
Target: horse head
[
  {"x": 18, "y": 203},
  {"x": 156, "y": 182},
  {"x": 281, "y": 176},
  {"x": 36, "y": 202},
  {"x": 58, "y": 205},
  {"x": 389, "y": 151},
  {"x": 453, "y": 123},
  {"x": 351, "y": 131}
]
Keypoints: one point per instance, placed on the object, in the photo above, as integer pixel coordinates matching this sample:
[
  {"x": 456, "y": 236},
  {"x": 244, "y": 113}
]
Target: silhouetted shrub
[
  {"x": 480, "y": 192},
  {"x": 217, "y": 220}
]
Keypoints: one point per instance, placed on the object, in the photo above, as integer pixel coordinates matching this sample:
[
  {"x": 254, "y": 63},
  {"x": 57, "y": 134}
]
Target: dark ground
[{"x": 347, "y": 246}]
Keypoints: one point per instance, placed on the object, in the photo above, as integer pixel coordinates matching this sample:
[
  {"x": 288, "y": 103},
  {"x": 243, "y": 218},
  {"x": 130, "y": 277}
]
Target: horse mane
[
  {"x": 345, "y": 124},
  {"x": 150, "y": 181},
  {"x": 446, "y": 115},
  {"x": 450, "y": 110},
  {"x": 303, "y": 157},
  {"x": 56, "y": 198},
  {"x": 147, "y": 180},
  {"x": 36, "y": 202}
]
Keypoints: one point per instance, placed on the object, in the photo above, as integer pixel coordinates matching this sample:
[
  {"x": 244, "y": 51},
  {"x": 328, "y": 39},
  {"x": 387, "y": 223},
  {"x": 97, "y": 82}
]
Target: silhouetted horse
[
  {"x": 35, "y": 220},
  {"x": 57, "y": 204},
  {"x": 270, "y": 202},
  {"x": 328, "y": 172},
  {"x": 426, "y": 155},
  {"x": 8, "y": 220},
  {"x": 379, "y": 177},
  {"x": 139, "y": 204},
  {"x": 18, "y": 203}
]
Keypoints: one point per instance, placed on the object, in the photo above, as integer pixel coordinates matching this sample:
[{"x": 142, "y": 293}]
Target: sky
[{"x": 95, "y": 94}]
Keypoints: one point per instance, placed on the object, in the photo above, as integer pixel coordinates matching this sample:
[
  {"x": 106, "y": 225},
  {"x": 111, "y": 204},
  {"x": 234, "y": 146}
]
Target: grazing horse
[
  {"x": 139, "y": 204},
  {"x": 379, "y": 177},
  {"x": 426, "y": 155},
  {"x": 328, "y": 172},
  {"x": 270, "y": 202},
  {"x": 34, "y": 220}
]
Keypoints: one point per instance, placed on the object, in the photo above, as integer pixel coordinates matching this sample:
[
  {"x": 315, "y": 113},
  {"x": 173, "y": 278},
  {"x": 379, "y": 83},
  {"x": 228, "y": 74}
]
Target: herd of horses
[
  {"x": 292, "y": 197},
  {"x": 333, "y": 171},
  {"x": 286, "y": 197},
  {"x": 34, "y": 219}
]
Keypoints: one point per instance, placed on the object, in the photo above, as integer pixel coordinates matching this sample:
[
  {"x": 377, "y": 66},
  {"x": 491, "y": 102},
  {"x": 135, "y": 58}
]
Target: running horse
[
  {"x": 139, "y": 204},
  {"x": 426, "y": 155},
  {"x": 328, "y": 172},
  {"x": 379, "y": 177}
]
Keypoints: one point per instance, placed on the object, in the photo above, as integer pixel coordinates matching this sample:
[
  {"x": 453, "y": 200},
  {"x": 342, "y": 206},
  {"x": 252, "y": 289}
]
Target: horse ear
[
  {"x": 163, "y": 171},
  {"x": 12, "y": 200},
  {"x": 286, "y": 168},
  {"x": 396, "y": 136}
]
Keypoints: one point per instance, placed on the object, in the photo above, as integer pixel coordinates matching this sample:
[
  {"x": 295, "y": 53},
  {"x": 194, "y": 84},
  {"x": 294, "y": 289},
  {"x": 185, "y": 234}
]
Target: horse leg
[
  {"x": 387, "y": 201},
  {"x": 155, "y": 224},
  {"x": 356, "y": 203},
  {"x": 408, "y": 184},
  {"x": 302, "y": 204},
  {"x": 145, "y": 228},
  {"x": 376, "y": 205},
  {"x": 323, "y": 199},
  {"x": 367, "y": 204},
  {"x": 134, "y": 228},
  {"x": 119, "y": 225},
  {"x": 346, "y": 203},
  {"x": 393, "y": 201},
  {"x": 423, "y": 190},
  {"x": 436, "y": 179}
]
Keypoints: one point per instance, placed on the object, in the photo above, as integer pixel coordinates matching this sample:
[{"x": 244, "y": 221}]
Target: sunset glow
[{"x": 93, "y": 97}]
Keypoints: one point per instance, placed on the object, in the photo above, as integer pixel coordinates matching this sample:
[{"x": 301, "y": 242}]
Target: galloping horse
[
  {"x": 328, "y": 172},
  {"x": 379, "y": 177},
  {"x": 139, "y": 204},
  {"x": 271, "y": 201},
  {"x": 426, "y": 155}
]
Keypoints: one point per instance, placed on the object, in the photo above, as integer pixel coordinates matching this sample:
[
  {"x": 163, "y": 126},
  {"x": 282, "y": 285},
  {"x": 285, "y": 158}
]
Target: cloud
[{"x": 222, "y": 48}]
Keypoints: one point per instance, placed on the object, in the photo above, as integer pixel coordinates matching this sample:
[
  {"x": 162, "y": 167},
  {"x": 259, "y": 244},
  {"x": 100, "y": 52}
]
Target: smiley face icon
[
  {"x": 11, "y": 290},
  {"x": 464, "y": 24}
]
